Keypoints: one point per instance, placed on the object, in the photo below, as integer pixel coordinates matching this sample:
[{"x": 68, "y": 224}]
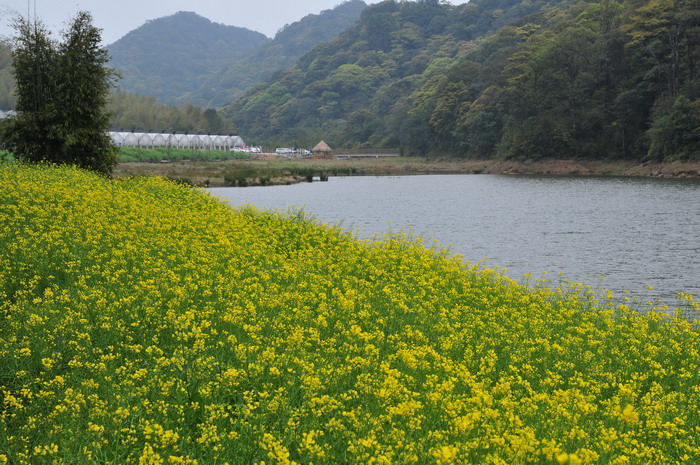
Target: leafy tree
[
  {"x": 62, "y": 92},
  {"x": 552, "y": 82},
  {"x": 665, "y": 35},
  {"x": 34, "y": 56},
  {"x": 675, "y": 130},
  {"x": 360, "y": 126},
  {"x": 378, "y": 31}
]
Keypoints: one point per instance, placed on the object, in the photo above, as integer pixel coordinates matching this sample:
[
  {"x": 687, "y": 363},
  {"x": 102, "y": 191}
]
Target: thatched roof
[{"x": 322, "y": 147}]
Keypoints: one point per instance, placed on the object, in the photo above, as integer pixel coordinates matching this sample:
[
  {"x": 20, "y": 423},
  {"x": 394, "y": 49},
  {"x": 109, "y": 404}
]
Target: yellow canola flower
[
  {"x": 150, "y": 457},
  {"x": 445, "y": 454},
  {"x": 629, "y": 414},
  {"x": 49, "y": 449},
  {"x": 568, "y": 459},
  {"x": 156, "y": 324}
]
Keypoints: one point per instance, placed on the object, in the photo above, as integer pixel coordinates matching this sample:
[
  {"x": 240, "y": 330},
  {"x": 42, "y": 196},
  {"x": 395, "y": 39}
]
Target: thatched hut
[{"x": 322, "y": 150}]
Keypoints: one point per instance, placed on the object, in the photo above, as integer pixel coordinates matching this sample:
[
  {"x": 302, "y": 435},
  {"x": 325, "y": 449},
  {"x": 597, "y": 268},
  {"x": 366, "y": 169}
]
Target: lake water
[{"x": 636, "y": 232}]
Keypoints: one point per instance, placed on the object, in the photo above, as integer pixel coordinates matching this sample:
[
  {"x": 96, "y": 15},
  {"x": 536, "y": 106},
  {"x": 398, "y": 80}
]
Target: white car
[{"x": 283, "y": 151}]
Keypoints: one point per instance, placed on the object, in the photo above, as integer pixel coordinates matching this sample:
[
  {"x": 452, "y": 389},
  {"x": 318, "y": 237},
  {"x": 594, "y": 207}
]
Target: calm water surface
[{"x": 637, "y": 232}]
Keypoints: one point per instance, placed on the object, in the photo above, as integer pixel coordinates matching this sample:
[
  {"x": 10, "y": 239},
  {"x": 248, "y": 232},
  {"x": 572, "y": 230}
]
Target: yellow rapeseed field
[{"x": 142, "y": 322}]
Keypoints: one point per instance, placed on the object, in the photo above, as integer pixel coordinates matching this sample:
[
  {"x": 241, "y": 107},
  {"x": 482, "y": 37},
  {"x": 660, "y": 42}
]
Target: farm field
[{"x": 143, "y": 322}]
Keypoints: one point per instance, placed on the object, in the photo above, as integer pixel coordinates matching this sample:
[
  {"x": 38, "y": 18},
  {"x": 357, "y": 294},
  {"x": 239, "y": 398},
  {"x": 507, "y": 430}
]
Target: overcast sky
[{"x": 117, "y": 17}]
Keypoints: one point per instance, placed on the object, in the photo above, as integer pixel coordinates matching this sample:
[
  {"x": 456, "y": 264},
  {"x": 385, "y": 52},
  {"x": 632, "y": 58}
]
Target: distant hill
[
  {"x": 185, "y": 58},
  {"x": 287, "y": 47},
  {"x": 169, "y": 57}
]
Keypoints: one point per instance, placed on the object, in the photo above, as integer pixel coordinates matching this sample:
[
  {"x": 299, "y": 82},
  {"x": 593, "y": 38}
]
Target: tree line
[
  {"x": 602, "y": 79},
  {"x": 130, "y": 111}
]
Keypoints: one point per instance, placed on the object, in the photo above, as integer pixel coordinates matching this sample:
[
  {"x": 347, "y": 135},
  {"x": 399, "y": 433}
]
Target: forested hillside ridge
[
  {"x": 496, "y": 78},
  {"x": 355, "y": 89},
  {"x": 289, "y": 44},
  {"x": 130, "y": 111},
  {"x": 168, "y": 57}
]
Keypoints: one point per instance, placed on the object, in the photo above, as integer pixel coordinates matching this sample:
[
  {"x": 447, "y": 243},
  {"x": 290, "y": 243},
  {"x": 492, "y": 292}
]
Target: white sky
[{"x": 118, "y": 17}]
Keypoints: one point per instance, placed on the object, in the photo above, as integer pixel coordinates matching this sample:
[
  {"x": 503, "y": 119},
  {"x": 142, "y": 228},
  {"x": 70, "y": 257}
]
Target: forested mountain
[
  {"x": 169, "y": 57},
  {"x": 185, "y": 58},
  {"x": 508, "y": 78},
  {"x": 355, "y": 89},
  {"x": 280, "y": 53}
]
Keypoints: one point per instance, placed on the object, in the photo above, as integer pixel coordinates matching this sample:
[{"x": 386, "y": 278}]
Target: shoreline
[{"x": 287, "y": 171}]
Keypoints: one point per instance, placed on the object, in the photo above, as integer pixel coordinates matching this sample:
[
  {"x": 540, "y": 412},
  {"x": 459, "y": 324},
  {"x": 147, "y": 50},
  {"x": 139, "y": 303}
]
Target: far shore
[{"x": 279, "y": 170}]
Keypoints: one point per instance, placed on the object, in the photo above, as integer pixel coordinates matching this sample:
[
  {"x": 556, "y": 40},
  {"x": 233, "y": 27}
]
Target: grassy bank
[
  {"x": 281, "y": 171},
  {"x": 142, "y": 322},
  {"x": 135, "y": 154},
  {"x": 243, "y": 173}
]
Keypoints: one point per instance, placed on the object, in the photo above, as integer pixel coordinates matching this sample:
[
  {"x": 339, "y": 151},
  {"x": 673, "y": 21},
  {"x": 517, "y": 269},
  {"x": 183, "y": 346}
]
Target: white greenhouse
[{"x": 149, "y": 140}]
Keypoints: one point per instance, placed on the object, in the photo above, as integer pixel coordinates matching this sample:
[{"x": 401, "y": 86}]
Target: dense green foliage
[
  {"x": 62, "y": 90},
  {"x": 604, "y": 78},
  {"x": 358, "y": 88},
  {"x": 131, "y": 111},
  {"x": 168, "y": 57},
  {"x": 282, "y": 52}
]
